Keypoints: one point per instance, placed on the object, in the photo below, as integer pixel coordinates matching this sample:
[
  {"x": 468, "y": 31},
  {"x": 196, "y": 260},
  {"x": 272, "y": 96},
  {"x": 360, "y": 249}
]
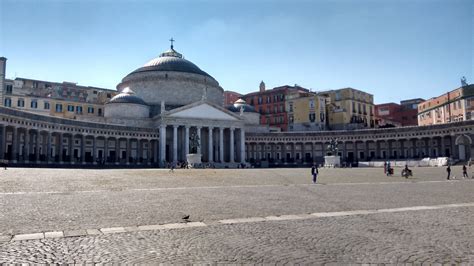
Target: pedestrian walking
[
  {"x": 385, "y": 167},
  {"x": 464, "y": 172},
  {"x": 314, "y": 173},
  {"x": 448, "y": 169}
]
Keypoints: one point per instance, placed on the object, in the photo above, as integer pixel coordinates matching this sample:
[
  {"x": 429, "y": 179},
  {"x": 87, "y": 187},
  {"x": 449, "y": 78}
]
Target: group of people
[{"x": 464, "y": 172}]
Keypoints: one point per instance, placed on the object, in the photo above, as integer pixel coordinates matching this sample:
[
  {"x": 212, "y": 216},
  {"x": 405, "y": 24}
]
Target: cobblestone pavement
[{"x": 44, "y": 200}]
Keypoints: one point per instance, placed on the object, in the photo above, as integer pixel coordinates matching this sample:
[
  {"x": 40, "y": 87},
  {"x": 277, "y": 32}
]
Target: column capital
[
  {"x": 232, "y": 128},
  {"x": 175, "y": 126}
]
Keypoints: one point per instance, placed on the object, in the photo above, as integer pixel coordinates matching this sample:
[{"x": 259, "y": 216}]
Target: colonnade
[
  {"x": 452, "y": 140},
  {"x": 27, "y": 145},
  {"x": 355, "y": 150},
  {"x": 215, "y": 144},
  {"x": 44, "y": 145}
]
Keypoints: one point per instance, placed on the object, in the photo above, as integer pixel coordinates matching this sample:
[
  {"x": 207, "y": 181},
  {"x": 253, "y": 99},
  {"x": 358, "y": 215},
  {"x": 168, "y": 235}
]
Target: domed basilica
[{"x": 175, "y": 96}]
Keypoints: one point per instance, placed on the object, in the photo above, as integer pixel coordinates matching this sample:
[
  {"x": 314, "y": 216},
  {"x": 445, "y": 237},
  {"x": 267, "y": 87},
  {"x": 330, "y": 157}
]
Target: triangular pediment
[{"x": 202, "y": 111}]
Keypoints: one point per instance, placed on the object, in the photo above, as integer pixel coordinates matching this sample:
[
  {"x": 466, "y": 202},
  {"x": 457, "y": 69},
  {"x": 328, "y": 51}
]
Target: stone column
[
  {"x": 148, "y": 152},
  {"x": 389, "y": 148},
  {"x": 453, "y": 147},
  {"x": 60, "y": 147},
  {"x": 344, "y": 151},
  {"x": 283, "y": 152},
  {"x": 14, "y": 144},
  {"x": 106, "y": 149},
  {"x": 117, "y": 150},
  {"x": 242, "y": 145},
  {"x": 48, "y": 153},
  {"x": 442, "y": 147},
  {"x": 94, "y": 149},
  {"x": 129, "y": 151},
  {"x": 155, "y": 151},
  {"x": 26, "y": 146},
  {"x": 71, "y": 153},
  {"x": 175, "y": 143},
  {"x": 221, "y": 144},
  {"x": 210, "y": 146},
  {"x": 231, "y": 147},
  {"x": 2, "y": 141},
  {"x": 162, "y": 145},
  {"x": 37, "y": 153},
  {"x": 198, "y": 130},
  {"x": 139, "y": 150},
  {"x": 367, "y": 150},
  {"x": 83, "y": 149},
  {"x": 186, "y": 141},
  {"x": 427, "y": 147},
  {"x": 402, "y": 148}
]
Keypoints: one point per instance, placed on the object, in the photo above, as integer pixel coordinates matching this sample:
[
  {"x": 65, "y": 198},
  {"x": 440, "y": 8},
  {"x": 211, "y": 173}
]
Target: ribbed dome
[
  {"x": 127, "y": 96},
  {"x": 171, "y": 60}
]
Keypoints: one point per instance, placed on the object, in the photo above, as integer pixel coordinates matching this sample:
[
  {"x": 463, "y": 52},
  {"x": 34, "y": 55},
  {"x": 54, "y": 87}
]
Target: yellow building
[
  {"x": 65, "y": 99},
  {"x": 349, "y": 108},
  {"x": 307, "y": 113}
]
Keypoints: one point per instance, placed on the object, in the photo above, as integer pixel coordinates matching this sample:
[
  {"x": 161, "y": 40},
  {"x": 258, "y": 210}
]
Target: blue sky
[{"x": 394, "y": 49}]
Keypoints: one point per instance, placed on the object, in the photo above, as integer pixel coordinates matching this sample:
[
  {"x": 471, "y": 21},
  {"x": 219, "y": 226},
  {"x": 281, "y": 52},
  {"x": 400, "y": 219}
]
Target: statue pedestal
[
  {"x": 193, "y": 159},
  {"x": 332, "y": 161}
]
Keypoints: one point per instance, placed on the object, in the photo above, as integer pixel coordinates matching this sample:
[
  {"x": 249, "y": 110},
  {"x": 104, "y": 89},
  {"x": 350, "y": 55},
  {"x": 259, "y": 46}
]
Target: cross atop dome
[
  {"x": 171, "y": 52},
  {"x": 172, "y": 40}
]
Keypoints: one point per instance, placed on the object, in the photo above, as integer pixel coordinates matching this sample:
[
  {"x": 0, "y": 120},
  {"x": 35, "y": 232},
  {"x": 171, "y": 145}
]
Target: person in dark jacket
[
  {"x": 449, "y": 171},
  {"x": 314, "y": 173},
  {"x": 464, "y": 171}
]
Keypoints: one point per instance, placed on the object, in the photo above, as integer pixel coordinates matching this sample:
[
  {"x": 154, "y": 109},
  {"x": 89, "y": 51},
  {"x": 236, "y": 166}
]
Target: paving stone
[
  {"x": 53, "y": 234},
  {"x": 28, "y": 236},
  {"x": 131, "y": 228},
  {"x": 151, "y": 227}
]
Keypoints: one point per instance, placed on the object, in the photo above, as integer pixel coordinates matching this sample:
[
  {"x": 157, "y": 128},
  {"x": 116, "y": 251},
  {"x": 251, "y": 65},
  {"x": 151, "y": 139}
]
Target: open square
[{"x": 356, "y": 215}]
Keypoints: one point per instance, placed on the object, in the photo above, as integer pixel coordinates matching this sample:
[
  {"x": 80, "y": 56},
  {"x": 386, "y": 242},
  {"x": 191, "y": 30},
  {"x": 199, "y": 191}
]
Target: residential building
[
  {"x": 307, "y": 113},
  {"x": 349, "y": 108},
  {"x": 393, "y": 114},
  {"x": 65, "y": 99},
  {"x": 453, "y": 106},
  {"x": 271, "y": 104}
]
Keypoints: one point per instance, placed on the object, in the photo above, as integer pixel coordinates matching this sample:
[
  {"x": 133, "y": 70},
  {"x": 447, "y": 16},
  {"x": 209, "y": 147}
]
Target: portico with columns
[{"x": 221, "y": 134}]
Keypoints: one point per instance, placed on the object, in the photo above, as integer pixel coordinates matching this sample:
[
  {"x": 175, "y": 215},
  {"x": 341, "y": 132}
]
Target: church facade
[{"x": 162, "y": 105}]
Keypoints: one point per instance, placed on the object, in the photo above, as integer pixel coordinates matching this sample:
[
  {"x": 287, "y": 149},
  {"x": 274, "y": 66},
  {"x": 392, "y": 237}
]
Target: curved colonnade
[
  {"x": 452, "y": 140},
  {"x": 28, "y": 138}
]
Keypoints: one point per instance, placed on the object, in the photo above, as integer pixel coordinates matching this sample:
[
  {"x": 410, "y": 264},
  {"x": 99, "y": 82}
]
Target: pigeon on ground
[{"x": 185, "y": 217}]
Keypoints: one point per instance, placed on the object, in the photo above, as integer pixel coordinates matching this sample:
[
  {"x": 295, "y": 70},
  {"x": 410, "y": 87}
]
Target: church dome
[
  {"x": 174, "y": 80},
  {"x": 241, "y": 104},
  {"x": 171, "y": 60},
  {"x": 127, "y": 96}
]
